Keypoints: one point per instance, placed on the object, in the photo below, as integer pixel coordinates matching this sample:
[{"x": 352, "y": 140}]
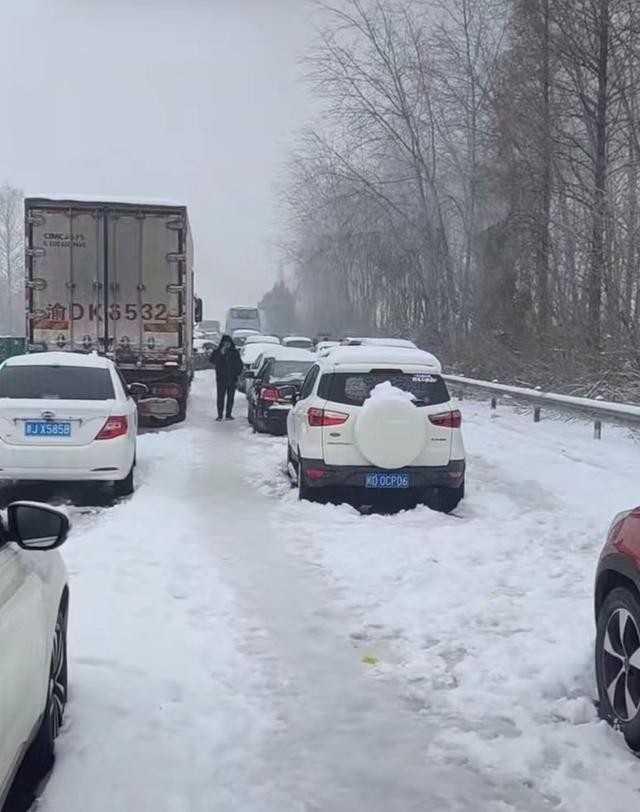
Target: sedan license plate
[
  {"x": 388, "y": 481},
  {"x": 46, "y": 428}
]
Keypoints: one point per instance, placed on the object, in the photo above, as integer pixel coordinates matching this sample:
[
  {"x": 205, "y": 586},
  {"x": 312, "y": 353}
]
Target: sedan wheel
[
  {"x": 40, "y": 755},
  {"x": 58, "y": 678},
  {"x": 618, "y": 663}
]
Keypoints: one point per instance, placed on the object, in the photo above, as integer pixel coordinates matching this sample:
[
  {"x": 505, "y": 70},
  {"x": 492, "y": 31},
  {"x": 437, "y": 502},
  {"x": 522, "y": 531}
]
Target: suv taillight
[
  {"x": 114, "y": 427},
  {"x": 447, "y": 420},
  {"x": 325, "y": 417}
]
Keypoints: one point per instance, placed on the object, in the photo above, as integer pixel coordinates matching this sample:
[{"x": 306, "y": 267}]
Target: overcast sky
[{"x": 188, "y": 99}]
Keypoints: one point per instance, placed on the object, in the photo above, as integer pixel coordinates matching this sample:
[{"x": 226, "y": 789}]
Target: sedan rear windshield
[
  {"x": 290, "y": 370},
  {"x": 353, "y": 388},
  {"x": 41, "y": 382}
]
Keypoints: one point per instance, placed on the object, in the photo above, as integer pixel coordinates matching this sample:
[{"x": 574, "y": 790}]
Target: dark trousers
[{"x": 226, "y": 389}]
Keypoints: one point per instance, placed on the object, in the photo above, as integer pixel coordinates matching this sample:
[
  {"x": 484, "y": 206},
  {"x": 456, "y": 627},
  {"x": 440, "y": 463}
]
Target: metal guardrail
[{"x": 597, "y": 410}]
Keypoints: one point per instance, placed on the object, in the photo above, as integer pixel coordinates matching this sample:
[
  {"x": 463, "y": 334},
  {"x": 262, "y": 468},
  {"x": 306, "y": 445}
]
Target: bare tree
[
  {"x": 11, "y": 260},
  {"x": 473, "y": 181}
]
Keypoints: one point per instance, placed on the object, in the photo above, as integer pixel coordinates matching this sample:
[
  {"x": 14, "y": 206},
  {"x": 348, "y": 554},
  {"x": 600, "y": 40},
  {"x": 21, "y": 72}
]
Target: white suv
[{"x": 370, "y": 419}]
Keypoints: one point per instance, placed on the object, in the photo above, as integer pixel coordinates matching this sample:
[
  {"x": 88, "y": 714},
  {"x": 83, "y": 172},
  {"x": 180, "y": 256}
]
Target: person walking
[{"x": 228, "y": 364}]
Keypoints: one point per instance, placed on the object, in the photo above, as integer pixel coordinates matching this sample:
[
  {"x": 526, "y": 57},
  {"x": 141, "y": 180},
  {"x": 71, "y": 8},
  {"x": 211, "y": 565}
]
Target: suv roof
[{"x": 368, "y": 355}]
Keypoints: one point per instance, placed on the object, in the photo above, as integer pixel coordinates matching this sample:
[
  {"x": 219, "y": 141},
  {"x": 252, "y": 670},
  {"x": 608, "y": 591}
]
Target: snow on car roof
[
  {"x": 283, "y": 353},
  {"x": 350, "y": 341},
  {"x": 251, "y": 351},
  {"x": 368, "y": 355},
  {"x": 297, "y": 338},
  {"x": 261, "y": 339},
  {"x": 390, "y": 342},
  {"x": 62, "y": 359},
  {"x": 245, "y": 331}
]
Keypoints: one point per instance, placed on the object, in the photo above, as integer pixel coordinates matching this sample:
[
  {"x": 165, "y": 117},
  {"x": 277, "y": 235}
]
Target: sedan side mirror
[
  {"x": 138, "y": 390},
  {"x": 37, "y": 527}
]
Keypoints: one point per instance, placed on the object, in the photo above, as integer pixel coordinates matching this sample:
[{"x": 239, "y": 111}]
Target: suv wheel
[
  {"x": 445, "y": 500},
  {"x": 618, "y": 663},
  {"x": 304, "y": 491}
]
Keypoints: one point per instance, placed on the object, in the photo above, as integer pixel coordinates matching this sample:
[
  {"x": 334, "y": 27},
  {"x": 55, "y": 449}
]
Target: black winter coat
[{"x": 228, "y": 365}]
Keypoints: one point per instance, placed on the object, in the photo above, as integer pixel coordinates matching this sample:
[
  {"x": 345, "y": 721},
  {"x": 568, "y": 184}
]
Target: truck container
[{"x": 116, "y": 278}]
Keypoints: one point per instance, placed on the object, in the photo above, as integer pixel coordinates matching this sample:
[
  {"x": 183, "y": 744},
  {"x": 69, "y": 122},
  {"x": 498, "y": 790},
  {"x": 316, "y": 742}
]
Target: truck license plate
[
  {"x": 46, "y": 428},
  {"x": 378, "y": 480}
]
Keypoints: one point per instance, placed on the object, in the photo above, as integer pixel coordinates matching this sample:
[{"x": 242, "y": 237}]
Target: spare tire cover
[{"x": 390, "y": 433}]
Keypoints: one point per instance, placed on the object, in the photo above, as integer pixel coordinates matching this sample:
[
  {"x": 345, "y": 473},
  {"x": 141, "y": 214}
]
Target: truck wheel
[{"x": 182, "y": 411}]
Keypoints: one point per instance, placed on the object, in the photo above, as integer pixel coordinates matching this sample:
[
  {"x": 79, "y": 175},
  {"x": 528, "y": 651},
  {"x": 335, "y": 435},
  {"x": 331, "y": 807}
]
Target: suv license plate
[
  {"x": 387, "y": 481},
  {"x": 46, "y": 428}
]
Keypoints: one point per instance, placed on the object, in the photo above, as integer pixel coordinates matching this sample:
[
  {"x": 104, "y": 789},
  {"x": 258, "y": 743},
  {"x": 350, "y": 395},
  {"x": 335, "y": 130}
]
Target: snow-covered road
[{"x": 234, "y": 649}]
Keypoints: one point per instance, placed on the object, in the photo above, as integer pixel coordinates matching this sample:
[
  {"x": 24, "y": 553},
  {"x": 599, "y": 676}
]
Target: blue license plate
[
  {"x": 46, "y": 428},
  {"x": 387, "y": 481}
]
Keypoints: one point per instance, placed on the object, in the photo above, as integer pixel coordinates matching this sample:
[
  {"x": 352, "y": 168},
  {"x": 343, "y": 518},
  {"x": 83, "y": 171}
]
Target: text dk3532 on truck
[{"x": 116, "y": 278}]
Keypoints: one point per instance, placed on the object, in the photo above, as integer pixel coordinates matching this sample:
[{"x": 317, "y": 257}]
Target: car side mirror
[
  {"x": 37, "y": 527},
  {"x": 138, "y": 390}
]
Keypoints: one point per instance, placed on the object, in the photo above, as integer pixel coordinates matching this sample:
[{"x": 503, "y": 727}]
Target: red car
[{"x": 617, "y": 605}]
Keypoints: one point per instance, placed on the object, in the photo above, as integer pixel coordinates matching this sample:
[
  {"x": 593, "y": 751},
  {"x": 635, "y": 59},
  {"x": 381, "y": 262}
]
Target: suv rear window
[
  {"x": 353, "y": 388},
  {"x": 40, "y": 382}
]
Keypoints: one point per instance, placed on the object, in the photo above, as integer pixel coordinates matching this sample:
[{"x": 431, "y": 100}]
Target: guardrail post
[
  {"x": 536, "y": 414},
  {"x": 597, "y": 430},
  {"x": 494, "y": 402}
]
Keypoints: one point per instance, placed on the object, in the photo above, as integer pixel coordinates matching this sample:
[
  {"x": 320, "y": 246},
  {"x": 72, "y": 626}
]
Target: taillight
[
  {"x": 269, "y": 394},
  {"x": 114, "y": 427},
  {"x": 167, "y": 390},
  {"x": 447, "y": 420},
  {"x": 325, "y": 417},
  {"x": 315, "y": 473}
]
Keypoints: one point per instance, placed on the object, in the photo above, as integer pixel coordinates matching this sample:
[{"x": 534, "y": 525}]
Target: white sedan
[
  {"x": 67, "y": 416},
  {"x": 34, "y": 603}
]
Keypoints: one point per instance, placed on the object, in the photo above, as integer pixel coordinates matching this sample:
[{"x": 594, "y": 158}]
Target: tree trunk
[{"x": 598, "y": 256}]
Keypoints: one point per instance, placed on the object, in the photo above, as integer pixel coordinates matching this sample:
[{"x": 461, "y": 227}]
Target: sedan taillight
[
  {"x": 325, "y": 417},
  {"x": 269, "y": 394},
  {"x": 114, "y": 427},
  {"x": 447, "y": 420}
]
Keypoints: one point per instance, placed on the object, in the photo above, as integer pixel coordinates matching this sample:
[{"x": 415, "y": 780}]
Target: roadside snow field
[
  {"x": 232, "y": 648},
  {"x": 484, "y": 619}
]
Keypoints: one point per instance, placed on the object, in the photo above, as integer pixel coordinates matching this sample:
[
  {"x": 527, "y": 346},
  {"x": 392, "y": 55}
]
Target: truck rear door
[
  {"x": 64, "y": 277},
  {"x": 144, "y": 298}
]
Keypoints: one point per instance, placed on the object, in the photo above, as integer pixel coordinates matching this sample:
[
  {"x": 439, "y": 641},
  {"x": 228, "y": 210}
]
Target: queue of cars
[{"x": 362, "y": 418}]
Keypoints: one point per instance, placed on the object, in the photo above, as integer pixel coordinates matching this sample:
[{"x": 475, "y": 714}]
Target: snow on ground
[
  {"x": 484, "y": 619},
  {"x": 234, "y": 649},
  {"x": 163, "y": 702}
]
